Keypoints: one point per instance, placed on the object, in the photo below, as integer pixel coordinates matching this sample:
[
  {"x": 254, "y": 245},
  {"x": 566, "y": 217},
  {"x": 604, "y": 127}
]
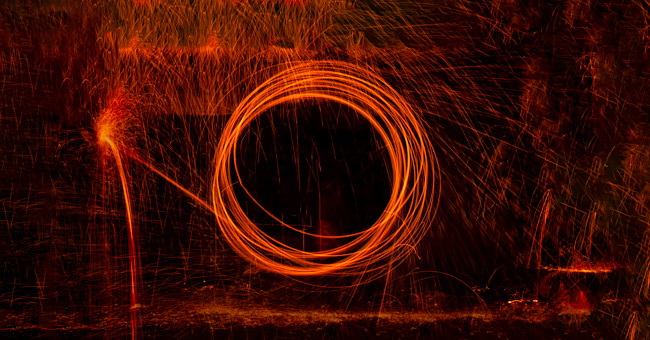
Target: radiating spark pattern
[
  {"x": 113, "y": 123},
  {"x": 412, "y": 170}
]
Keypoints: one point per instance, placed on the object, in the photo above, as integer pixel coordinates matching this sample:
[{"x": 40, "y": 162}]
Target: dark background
[{"x": 537, "y": 110}]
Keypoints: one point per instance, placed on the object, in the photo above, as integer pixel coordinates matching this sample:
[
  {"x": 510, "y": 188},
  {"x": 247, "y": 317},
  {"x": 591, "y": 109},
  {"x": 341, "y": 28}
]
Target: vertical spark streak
[
  {"x": 540, "y": 231},
  {"x": 133, "y": 268}
]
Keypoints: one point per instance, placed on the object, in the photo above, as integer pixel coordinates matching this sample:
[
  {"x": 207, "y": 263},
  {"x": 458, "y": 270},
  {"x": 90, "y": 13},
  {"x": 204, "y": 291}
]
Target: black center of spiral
[{"x": 318, "y": 166}]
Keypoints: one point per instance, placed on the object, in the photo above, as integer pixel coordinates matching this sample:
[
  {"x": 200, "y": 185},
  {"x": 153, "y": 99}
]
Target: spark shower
[{"x": 324, "y": 169}]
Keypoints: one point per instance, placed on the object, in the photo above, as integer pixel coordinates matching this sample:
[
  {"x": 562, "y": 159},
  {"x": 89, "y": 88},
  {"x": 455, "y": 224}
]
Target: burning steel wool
[{"x": 347, "y": 169}]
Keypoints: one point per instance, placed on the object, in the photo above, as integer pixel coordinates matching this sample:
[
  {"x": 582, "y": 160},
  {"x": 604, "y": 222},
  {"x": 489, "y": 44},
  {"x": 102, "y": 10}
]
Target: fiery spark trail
[
  {"x": 413, "y": 169},
  {"x": 585, "y": 270},
  {"x": 310, "y": 165},
  {"x": 112, "y": 124},
  {"x": 170, "y": 180},
  {"x": 133, "y": 251}
]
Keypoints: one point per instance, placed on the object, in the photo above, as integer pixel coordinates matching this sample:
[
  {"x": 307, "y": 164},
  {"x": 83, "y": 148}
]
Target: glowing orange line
[
  {"x": 180, "y": 187},
  {"x": 579, "y": 270},
  {"x": 132, "y": 244},
  {"x": 129, "y": 217}
]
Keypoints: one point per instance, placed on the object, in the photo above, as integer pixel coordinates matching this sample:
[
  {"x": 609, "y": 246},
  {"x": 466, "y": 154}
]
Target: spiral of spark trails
[{"x": 413, "y": 172}]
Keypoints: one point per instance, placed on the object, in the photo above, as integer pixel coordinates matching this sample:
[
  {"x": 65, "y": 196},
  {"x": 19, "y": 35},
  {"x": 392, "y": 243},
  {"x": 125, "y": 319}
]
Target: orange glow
[
  {"x": 413, "y": 167},
  {"x": 110, "y": 123},
  {"x": 114, "y": 120},
  {"x": 523, "y": 301},
  {"x": 578, "y": 305},
  {"x": 133, "y": 251},
  {"x": 369, "y": 253},
  {"x": 323, "y": 168},
  {"x": 587, "y": 269},
  {"x": 129, "y": 217}
]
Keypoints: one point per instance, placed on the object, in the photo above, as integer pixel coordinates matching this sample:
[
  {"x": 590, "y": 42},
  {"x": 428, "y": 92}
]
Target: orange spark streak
[
  {"x": 586, "y": 270},
  {"x": 189, "y": 194},
  {"x": 111, "y": 126},
  {"x": 132, "y": 244}
]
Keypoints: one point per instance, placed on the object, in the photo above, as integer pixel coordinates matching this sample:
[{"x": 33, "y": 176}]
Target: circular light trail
[{"x": 412, "y": 172}]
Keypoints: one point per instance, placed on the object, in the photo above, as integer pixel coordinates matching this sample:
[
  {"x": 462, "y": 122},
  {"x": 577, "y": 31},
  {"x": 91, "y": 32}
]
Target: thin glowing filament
[
  {"x": 189, "y": 194},
  {"x": 129, "y": 216}
]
